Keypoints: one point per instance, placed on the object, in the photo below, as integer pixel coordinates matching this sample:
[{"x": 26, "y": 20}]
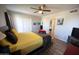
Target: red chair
[{"x": 42, "y": 31}]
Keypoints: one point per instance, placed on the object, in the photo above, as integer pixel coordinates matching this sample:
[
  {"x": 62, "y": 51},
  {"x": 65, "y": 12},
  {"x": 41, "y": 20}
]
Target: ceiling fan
[{"x": 41, "y": 9}]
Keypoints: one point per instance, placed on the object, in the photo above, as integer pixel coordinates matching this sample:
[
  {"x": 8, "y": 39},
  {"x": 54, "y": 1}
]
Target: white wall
[
  {"x": 2, "y": 17},
  {"x": 70, "y": 20}
]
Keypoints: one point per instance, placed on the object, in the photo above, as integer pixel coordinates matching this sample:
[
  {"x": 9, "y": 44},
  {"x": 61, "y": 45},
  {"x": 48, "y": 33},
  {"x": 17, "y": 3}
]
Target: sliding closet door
[{"x": 22, "y": 22}]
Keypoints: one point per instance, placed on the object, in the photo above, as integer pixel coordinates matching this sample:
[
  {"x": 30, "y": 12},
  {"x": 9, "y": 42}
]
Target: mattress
[{"x": 27, "y": 42}]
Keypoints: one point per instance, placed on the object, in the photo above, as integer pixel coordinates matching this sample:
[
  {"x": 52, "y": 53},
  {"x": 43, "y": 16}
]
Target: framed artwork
[{"x": 60, "y": 21}]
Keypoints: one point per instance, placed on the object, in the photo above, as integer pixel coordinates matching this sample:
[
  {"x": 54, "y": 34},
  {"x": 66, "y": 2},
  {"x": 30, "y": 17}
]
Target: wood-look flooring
[{"x": 57, "y": 47}]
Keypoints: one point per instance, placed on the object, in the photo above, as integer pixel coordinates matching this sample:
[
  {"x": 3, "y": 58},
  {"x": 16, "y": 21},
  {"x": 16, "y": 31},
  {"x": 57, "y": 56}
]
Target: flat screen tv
[{"x": 75, "y": 33}]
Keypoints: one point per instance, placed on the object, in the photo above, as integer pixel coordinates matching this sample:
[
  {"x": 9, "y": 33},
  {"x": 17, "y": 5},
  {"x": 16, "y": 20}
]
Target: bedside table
[{"x": 4, "y": 50}]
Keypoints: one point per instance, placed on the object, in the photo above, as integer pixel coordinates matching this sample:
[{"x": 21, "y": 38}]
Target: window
[{"x": 22, "y": 22}]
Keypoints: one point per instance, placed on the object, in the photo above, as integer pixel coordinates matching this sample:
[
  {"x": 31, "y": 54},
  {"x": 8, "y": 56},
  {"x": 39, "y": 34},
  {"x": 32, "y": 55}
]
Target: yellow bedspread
[{"x": 27, "y": 42}]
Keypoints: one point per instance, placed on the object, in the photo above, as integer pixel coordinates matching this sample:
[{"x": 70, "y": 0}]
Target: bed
[{"x": 27, "y": 42}]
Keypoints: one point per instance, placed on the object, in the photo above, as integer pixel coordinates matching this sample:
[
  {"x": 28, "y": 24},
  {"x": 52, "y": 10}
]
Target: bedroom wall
[
  {"x": 36, "y": 19},
  {"x": 70, "y": 20},
  {"x": 46, "y": 22},
  {"x": 2, "y": 17}
]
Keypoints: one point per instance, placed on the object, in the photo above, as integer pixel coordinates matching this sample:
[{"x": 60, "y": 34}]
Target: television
[{"x": 75, "y": 33}]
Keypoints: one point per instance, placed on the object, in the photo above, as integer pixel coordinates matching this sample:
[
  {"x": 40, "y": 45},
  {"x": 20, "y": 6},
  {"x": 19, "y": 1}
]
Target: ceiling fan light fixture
[{"x": 40, "y": 12}]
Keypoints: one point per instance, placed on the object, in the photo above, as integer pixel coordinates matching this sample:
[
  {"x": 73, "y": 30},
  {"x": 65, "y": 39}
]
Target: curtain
[{"x": 22, "y": 22}]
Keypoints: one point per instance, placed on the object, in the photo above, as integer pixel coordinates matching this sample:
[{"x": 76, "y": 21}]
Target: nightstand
[{"x": 4, "y": 50}]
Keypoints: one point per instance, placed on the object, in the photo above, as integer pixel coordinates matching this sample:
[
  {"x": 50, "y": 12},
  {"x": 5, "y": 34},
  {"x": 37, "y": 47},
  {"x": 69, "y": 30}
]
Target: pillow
[
  {"x": 2, "y": 35},
  {"x": 15, "y": 32},
  {"x": 11, "y": 37}
]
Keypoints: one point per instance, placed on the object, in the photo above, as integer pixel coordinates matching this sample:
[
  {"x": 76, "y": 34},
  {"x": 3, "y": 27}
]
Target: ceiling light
[{"x": 40, "y": 12}]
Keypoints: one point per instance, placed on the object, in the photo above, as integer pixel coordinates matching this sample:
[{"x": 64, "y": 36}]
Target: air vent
[{"x": 73, "y": 11}]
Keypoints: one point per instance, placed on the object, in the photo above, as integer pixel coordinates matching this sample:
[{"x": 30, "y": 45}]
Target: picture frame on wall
[{"x": 60, "y": 21}]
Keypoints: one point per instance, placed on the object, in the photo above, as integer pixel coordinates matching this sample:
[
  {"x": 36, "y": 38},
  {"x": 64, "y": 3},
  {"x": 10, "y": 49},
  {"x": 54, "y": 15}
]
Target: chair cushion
[{"x": 73, "y": 41}]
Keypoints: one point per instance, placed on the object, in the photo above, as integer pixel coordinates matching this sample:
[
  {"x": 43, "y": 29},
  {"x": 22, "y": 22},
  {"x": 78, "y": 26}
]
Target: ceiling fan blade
[
  {"x": 44, "y": 6},
  {"x": 47, "y": 10},
  {"x": 35, "y": 11},
  {"x": 34, "y": 8},
  {"x": 41, "y": 9}
]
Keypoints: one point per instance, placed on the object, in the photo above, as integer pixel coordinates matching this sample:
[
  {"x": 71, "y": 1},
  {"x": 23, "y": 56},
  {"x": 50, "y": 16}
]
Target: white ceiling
[{"x": 25, "y": 8}]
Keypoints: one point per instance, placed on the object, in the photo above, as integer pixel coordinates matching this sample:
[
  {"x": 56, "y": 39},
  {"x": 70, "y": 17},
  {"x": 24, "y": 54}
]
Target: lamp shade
[{"x": 2, "y": 35}]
